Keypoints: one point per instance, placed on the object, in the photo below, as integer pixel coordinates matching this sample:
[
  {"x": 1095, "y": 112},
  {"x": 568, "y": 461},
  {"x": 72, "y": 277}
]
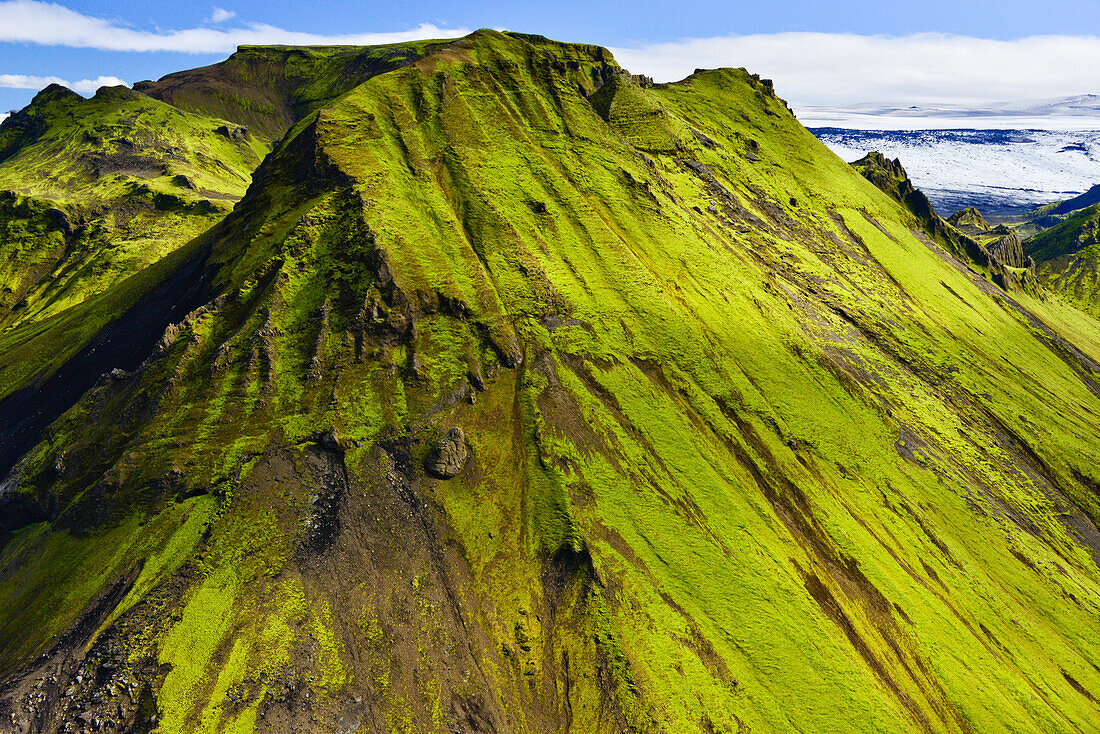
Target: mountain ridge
[
  {"x": 270, "y": 88},
  {"x": 1067, "y": 254}
]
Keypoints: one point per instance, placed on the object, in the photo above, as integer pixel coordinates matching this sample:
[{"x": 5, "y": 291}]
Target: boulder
[
  {"x": 449, "y": 455},
  {"x": 233, "y": 132}
]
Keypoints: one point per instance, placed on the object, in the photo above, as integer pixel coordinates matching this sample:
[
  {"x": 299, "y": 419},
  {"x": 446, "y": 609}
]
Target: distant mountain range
[{"x": 1081, "y": 112}]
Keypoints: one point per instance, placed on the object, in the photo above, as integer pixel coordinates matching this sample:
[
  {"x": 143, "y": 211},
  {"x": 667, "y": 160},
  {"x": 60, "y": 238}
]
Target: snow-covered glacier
[
  {"x": 1002, "y": 172},
  {"x": 1003, "y": 157}
]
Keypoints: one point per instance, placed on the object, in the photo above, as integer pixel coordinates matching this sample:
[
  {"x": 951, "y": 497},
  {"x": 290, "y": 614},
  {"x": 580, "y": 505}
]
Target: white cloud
[
  {"x": 23, "y": 81},
  {"x": 845, "y": 69},
  {"x": 89, "y": 86},
  {"x": 220, "y": 15},
  {"x": 83, "y": 86},
  {"x": 50, "y": 24}
]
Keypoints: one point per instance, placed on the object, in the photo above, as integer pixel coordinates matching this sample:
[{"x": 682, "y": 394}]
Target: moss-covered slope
[
  {"x": 995, "y": 252},
  {"x": 92, "y": 193},
  {"x": 1049, "y": 215},
  {"x": 1067, "y": 254},
  {"x": 741, "y": 447},
  {"x": 97, "y": 189}
]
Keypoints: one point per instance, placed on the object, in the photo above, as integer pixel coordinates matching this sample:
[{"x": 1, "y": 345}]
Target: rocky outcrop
[
  {"x": 1008, "y": 249},
  {"x": 889, "y": 176},
  {"x": 1003, "y": 243},
  {"x": 449, "y": 455},
  {"x": 233, "y": 132}
]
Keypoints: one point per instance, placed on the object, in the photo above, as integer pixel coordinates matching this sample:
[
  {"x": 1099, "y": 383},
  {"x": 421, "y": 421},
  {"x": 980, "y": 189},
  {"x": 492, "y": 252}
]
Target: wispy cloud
[
  {"x": 83, "y": 86},
  {"x": 842, "y": 69},
  {"x": 50, "y": 24},
  {"x": 220, "y": 15}
]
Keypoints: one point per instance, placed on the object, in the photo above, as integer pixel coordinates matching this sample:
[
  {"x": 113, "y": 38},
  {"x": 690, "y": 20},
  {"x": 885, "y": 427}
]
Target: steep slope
[
  {"x": 997, "y": 252},
  {"x": 101, "y": 188},
  {"x": 100, "y": 199},
  {"x": 269, "y": 88},
  {"x": 528, "y": 398},
  {"x": 1069, "y": 258},
  {"x": 889, "y": 176},
  {"x": 1067, "y": 238}
]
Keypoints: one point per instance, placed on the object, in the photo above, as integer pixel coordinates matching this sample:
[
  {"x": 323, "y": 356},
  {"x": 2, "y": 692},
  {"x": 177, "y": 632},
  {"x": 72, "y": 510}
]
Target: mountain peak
[
  {"x": 269, "y": 88},
  {"x": 53, "y": 93},
  {"x": 969, "y": 217}
]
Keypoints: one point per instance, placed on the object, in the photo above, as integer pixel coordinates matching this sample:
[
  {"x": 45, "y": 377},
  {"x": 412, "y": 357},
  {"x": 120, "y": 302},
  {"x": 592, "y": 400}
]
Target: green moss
[
  {"x": 269, "y": 88},
  {"x": 62, "y": 573}
]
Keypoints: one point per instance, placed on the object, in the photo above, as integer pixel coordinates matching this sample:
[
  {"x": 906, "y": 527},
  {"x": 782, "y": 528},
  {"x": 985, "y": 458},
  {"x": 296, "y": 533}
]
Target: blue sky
[{"x": 826, "y": 52}]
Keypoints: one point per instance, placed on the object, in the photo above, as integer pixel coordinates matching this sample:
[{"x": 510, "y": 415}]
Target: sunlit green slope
[
  {"x": 101, "y": 188},
  {"x": 745, "y": 450},
  {"x": 93, "y": 191}
]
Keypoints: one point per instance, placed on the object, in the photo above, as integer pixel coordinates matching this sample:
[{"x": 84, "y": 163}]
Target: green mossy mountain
[
  {"x": 106, "y": 197},
  {"x": 94, "y": 192},
  {"x": 98, "y": 189},
  {"x": 1049, "y": 215},
  {"x": 1069, "y": 258},
  {"x": 740, "y": 445},
  {"x": 970, "y": 217}
]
